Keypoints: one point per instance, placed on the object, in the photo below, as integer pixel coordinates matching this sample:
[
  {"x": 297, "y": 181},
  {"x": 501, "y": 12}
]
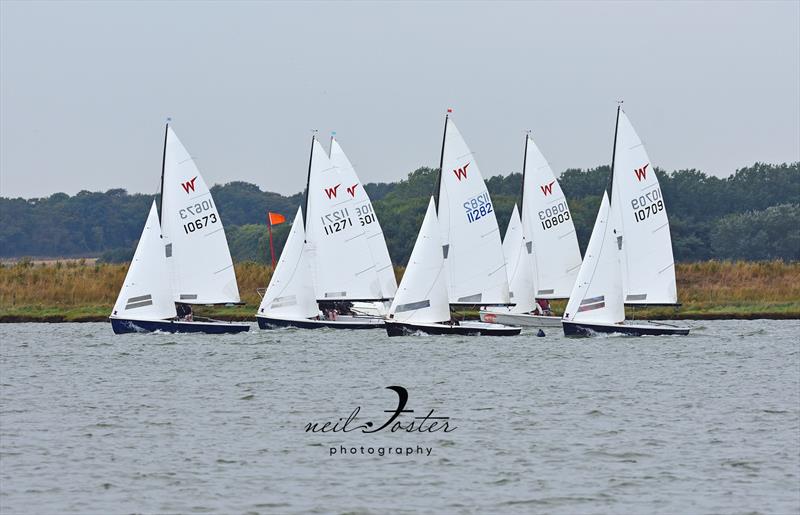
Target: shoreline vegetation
[{"x": 84, "y": 291}]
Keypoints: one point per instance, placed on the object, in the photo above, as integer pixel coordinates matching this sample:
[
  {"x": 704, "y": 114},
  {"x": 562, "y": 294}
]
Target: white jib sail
[
  {"x": 146, "y": 293},
  {"x": 519, "y": 265},
  {"x": 422, "y": 294},
  {"x": 290, "y": 293},
  {"x": 476, "y": 269},
  {"x": 343, "y": 266},
  {"x": 597, "y": 294},
  {"x": 547, "y": 221},
  {"x": 366, "y": 217},
  {"x": 648, "y": 268},
  {"x": 197, "y": 250}
]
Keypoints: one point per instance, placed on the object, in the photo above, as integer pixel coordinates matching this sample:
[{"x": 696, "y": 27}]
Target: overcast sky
[{"x": 85, "y": 87}]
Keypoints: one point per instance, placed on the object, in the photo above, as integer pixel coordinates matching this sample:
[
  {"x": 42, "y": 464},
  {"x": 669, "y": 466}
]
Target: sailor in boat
[
  {"x": 543, "y": 308},
  {"x": 184, "y": 312}
]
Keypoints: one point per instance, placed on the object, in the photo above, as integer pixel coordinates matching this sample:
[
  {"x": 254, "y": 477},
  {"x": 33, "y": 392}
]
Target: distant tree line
[{"x": 754, "y": 214}]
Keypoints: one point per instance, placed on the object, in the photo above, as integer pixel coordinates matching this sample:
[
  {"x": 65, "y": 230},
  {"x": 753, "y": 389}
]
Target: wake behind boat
[{"x": 182, "y": 258}]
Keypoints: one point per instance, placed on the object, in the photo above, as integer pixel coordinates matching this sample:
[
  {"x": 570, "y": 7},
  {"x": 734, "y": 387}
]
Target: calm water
[{"x": 97, "y": 423}]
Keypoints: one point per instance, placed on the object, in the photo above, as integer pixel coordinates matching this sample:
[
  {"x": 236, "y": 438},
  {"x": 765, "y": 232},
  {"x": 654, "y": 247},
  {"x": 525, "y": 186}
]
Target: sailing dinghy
[
  {"x": 474, "y": 269},
  {"x": 629, "y": 257},
  {"x": 540, "y": 246},
  {"x": 331, "y": 261},
  {"x": 421, "y": 304},
  {"x": 183, "y": 259}
]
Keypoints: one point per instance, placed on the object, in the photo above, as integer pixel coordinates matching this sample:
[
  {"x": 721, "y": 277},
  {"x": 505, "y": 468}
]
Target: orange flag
[{"x": 276, "y": 219}]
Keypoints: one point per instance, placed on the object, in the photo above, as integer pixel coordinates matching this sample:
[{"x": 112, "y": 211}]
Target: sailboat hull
[
  {"x": 122, "y": 326},
  {"x": 583, "y": 329},
  {"x": 521, "y": 319},
  {"x": 464, "y": 329},
  {"x": 344, "y": 322}
]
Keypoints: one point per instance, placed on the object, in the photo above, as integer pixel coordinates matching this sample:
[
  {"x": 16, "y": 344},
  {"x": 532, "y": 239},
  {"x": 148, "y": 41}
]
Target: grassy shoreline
[{"x": 85, "y": 292}]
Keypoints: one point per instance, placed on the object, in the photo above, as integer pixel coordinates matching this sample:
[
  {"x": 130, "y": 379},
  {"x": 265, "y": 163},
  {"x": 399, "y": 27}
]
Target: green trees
[{"x": 753, "y": 214}]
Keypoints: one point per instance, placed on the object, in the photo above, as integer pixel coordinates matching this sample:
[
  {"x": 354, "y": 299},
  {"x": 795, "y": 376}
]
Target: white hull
[{"x": 520, "y": 319}]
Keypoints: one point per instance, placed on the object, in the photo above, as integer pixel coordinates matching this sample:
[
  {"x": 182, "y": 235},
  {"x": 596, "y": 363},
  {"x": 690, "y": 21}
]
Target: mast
[
  {"x": 524, "y": 166},
  {"x": 163, "y": 164},
  {"x": 308, "y": 183},
  {"x": 614, "y": 152},
  {"x": 441, "y": 161}
]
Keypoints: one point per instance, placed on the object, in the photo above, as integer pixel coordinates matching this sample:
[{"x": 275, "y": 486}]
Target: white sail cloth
[
  {"x": 648, "y": 267},
  {"x": 196, "y": 248},
  {"x": 519, "y": 265},
  {"x": 422, "y": 294},
  {"x": 476, "y": 269},
  {"x": 146, "y": 293},
  {"x": 597, "y": 294},
  {"x": 365, "y": 216},
  {"x": 341, "y": 256},
  {"x": 547, "y": 222},
  {"x": 290, "y": 293}
]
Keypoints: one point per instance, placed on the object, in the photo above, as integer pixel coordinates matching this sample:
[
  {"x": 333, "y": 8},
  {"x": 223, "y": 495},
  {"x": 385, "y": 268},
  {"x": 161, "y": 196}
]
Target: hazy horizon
[{"x": 85, "y": 88}]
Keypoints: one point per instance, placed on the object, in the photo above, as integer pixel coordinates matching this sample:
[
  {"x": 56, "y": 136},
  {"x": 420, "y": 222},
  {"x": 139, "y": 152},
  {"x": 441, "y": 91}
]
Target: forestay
[
  {"x": 597, "y": 294},
  {"x": 343, "y": 267},
  {"x": 519, "y": 266},
  {"x": 146, "y": 292},
  {"x": 422, "y": 295},
  {"x": 648, "y": 268},
  {"x": 290, "y": 293},
  {"x": 476, "y": 270},
  {"x": 547, "y": 221},
  {"x": 365, "y": 217},
  {"x": 196, "y": 248}
]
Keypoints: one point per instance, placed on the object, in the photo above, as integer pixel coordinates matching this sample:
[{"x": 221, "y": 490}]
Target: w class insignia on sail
[
  {"x": 331, "y": 192},
  {"x": 641, "y": 173},
  {"x": 461, "y": 173},
  {"x": 547, "y": 189},
  {"x": 189, "y": 185}
]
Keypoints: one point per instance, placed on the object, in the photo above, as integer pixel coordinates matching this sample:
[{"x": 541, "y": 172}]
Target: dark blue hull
[
  {"x": 404, "y": 329},
  {"x": 578, "y": 329},
  {"x": 122, "y": 326},
  {"x": 276, "y": 323}
]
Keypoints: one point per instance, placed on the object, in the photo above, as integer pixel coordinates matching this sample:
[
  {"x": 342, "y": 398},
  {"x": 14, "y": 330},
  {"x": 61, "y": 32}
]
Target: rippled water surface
[{"x": 97, "y": 423}]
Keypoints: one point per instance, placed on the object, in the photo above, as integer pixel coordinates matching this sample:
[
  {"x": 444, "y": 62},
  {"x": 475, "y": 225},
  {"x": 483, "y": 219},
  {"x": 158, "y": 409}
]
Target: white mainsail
[
  {"x": 422, "y": 295},
  {"x": 519, "y": 266},
  {"x": 547, "y": 222},
  {"x": 476, "y": 269},
  {"x": 343, "y": 266},
  {"x": 290, "y": 293},
  {"x": 146, "y": 293},
  {"x": 597, "y": 294},
  {"x": 366, "y": 217},
  {"x": 196, "y": 248},
  {"x": 648, "y": 267}
]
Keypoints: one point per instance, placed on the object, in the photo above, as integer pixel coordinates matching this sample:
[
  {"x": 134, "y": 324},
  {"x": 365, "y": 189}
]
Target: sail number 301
[{"x": 478, "y": 207}]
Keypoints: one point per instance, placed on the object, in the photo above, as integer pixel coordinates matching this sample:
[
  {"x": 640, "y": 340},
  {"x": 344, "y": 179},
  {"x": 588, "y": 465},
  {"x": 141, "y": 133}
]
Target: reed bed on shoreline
[{"x": 79, "y": 290}]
